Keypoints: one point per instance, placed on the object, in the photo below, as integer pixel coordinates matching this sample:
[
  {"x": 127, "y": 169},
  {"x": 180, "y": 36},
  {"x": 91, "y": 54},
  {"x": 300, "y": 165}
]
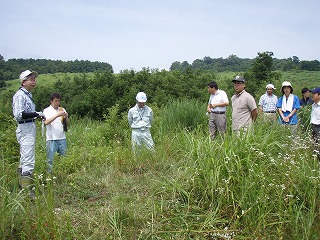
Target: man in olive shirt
[{"x": 244, "y": 107}]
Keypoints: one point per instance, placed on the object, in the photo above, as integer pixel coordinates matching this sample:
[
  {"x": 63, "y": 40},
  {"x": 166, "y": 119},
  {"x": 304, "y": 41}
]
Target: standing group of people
[
  {"x": 271, "y": 108},
  {"x": 56, "y": 120},
  {"x": 244, "y": 108},
  {"x": 54, "y": 117},
  {"x": 140, "y": 117}
]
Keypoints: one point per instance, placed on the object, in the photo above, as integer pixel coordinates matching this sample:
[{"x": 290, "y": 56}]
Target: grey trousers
[
  {"x": 217, "y": 123},
  {"x": 26, "y": 137},
  {"x": 141, "y": 137}
]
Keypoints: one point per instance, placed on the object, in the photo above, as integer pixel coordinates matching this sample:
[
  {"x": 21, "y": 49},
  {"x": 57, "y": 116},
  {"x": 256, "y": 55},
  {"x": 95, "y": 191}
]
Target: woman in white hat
[{"x": 287, "y": 106}]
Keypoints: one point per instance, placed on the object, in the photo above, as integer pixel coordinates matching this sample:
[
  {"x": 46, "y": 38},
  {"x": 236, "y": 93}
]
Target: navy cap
[{"x": 316, "y": 90}]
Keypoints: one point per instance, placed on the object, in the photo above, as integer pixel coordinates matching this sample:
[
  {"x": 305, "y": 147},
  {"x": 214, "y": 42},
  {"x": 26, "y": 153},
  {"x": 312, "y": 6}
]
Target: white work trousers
[
  {"x": 141, "y": 137},
  {"x": 26, "y": 137}
]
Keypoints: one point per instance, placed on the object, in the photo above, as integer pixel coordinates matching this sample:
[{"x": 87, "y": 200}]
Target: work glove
[{"x": 41, "y": 115}]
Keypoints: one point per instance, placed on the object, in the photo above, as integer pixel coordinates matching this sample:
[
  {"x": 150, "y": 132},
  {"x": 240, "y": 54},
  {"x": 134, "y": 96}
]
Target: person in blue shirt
[{"x": 287, "y": 107}]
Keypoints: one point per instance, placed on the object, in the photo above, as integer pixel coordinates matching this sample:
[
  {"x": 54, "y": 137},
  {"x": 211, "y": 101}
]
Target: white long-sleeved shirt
[
  {"x": 140, "y": 117},
  {"x": 315, "y": 113},
  {"x": 22, "y": 102}
]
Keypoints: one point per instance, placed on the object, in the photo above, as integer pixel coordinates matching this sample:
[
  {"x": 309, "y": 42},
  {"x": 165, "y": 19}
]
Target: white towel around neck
[{"x": 287, "y": 104}]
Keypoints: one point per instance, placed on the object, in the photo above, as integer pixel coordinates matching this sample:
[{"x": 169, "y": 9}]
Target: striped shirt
[
  {"x": 268, "y": 103},
  {"x": 22, "y": 102}
]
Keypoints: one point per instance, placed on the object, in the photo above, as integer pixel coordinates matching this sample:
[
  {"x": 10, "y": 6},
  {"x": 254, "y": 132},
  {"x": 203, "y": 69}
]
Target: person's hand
[
  {"x": 286, "y": 119},
  {"x": 60, "y": 113},
  {"x": 41, "y": 115}
]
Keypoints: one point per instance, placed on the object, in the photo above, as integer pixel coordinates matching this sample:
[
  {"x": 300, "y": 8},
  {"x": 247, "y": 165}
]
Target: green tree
[{"x": 260, "y": 72}]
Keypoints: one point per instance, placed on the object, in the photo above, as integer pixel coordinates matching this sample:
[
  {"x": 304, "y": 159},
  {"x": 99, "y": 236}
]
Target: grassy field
[
  {"x": 299, "y": 79},
  {"x": 261, "y": 186},
  {"x": 43, "y": 79}
]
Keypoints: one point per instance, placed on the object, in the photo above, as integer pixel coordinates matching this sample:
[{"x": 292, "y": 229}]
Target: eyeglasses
[{"x": 32, "y": 78}]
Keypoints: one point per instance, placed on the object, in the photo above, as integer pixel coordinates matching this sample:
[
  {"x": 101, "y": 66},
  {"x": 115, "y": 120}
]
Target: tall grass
[{"x": 264, "y": 185}]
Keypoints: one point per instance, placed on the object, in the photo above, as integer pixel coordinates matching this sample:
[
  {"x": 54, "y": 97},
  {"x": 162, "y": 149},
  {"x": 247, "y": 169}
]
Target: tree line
[
  {"x": 11, "y": 68},
  {"x": 236, "y": 64},
  {"x": 92, "y": 96}
]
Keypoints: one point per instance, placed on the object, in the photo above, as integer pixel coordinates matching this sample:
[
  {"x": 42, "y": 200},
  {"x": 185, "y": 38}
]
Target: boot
[{"x": 25, "y": 183}]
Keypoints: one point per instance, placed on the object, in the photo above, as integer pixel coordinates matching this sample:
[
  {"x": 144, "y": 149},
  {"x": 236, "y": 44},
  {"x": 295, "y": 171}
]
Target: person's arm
[
  {"x": 260, "y": 110},
  {"x": 65, "y": 115},
  {"x": 151, "y": 116},
  {"x": 254, "y": 114},
  {"x": 51, "y": 119},
  {"x": 130, "y": 120},
  {"x": 29, "y": 115},
  {"x": 292, "y": 113},
  {"x": 224, "y": 104}
]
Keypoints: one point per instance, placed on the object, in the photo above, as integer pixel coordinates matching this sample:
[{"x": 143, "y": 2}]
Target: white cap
[
  {"x": 270, "y": 86},
  {"x": 141, "y": 97},
  {"x": 25, "y": 74}
]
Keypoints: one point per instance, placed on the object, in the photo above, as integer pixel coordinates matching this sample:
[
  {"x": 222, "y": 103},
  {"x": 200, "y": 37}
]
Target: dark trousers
[{"x": 316, "y": 138}]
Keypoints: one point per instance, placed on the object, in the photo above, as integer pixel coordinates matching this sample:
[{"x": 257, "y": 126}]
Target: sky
[{"x": 133, "y": 34}]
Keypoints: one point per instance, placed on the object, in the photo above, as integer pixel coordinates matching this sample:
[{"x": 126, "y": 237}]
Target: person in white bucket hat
[
  {"x": 140, "y": 118},
  {"x": 24, "y": 112},
  {"x": 287, "y": 107},
  {"x": 267, "y": 104}
]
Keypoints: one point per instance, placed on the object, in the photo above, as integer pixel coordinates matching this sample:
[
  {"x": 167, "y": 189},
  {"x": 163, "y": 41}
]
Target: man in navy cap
[{"x": 315, "y": 119}]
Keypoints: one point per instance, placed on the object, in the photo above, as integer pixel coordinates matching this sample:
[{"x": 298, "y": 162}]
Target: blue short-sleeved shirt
[{"x": 296, "y": 105}]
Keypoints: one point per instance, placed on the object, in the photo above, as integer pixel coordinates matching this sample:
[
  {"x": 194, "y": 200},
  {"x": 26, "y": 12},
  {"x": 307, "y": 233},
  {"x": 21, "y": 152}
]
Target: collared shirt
[
  {"x": 219, "y": 97},
  {"x": 242, "y": 106},
  {"x": 315, "y": 113},
  {"x": 54, "y": 130},
  {"x": 305, "y": 102},
  {"x": 296, "y": 105},
  {"x": 268, "y": 103},
  {"x": 140, "y": 117},
  {"x": 22, "y": 102}
]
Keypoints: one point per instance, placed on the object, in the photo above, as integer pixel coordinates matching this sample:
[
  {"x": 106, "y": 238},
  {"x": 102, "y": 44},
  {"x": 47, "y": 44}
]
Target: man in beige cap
[
  {"x": 267, "y": 104},
  {"x": 244, "y": 107},
  {"x": 24, "y": 112}
]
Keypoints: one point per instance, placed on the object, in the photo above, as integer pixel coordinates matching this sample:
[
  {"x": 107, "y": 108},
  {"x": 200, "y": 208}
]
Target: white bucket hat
[{"x": 286, "y": 84}]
